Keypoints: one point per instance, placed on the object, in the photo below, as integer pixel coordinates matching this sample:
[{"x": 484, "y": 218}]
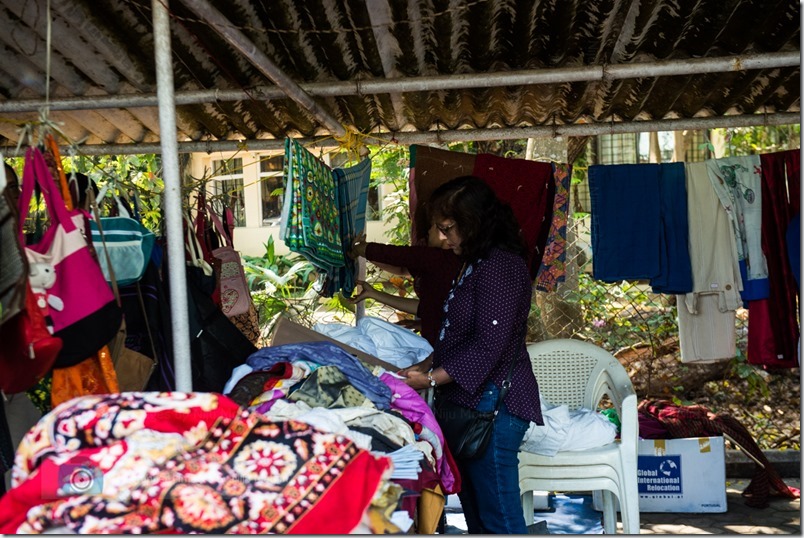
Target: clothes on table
[{"x": 396, "y": 345}]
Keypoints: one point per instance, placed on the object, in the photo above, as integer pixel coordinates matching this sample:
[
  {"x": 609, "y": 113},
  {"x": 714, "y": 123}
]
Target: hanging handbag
[
  {"x": 235, "y": 296},
  {"x": 217, "y": 346},
  {"x": 468, "y": 431},
  {"x": 28, "y": 350},
  {"x": 65, "y": 274},
  {"x": 13, "y": 268},
  {"x": 126, "y": 241},
  {"x": 132, "y": 368}
]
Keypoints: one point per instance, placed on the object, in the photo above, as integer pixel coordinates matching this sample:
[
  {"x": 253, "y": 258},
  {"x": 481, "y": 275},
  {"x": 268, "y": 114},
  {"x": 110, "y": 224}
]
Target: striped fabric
[{"x": 353, "y": 185}]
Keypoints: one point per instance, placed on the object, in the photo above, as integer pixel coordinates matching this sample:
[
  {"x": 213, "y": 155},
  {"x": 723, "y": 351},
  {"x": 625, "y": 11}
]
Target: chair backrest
[{"x": 578, "y": 374}]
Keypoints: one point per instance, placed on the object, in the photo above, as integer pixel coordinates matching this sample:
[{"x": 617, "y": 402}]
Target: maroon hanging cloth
[
  {"x": 773, "y": 328},
  {"x": 528, "y": 187}
]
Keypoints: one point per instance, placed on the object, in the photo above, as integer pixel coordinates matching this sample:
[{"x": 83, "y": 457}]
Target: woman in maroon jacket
[
  {"x": 482, "y": 336},
  {"x": 433, "y": 269}
]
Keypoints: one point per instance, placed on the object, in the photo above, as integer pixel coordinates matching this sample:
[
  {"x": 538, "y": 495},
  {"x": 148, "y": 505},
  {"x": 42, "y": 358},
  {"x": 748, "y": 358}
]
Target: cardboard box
[
  {"x": 289, "y": 332},
  {"x": 680, "y": 475}
]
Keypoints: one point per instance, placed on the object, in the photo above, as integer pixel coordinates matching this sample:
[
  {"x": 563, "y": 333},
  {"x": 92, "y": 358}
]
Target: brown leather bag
[{"x": 133, "y": 369}]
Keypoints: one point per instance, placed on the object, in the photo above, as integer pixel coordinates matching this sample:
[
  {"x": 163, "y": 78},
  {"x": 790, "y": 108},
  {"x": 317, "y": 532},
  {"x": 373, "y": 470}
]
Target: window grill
[{"x": 228, "y": 186}]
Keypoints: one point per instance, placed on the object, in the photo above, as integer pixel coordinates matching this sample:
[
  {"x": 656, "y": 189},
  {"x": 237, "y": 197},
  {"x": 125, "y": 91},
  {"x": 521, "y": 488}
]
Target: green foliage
[
  {"x": 751, "y": 374},
  {"x": 755, "y": 140},
  {"x": 622, "y": 315},
  {"x": 285, "y": 276},
  {"x": 390, "y": 166},
  {"x": 131, "y": 176},
  {"x": 277, "y": 281}
]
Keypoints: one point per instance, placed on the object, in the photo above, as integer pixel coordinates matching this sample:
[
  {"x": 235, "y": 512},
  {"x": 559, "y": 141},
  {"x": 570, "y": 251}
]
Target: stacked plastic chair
[{"x": 580, "y": 375}]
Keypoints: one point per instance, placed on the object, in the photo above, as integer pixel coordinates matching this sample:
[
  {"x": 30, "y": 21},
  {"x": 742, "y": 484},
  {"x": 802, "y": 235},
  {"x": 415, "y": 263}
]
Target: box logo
[{"x": 659, "y": 475}]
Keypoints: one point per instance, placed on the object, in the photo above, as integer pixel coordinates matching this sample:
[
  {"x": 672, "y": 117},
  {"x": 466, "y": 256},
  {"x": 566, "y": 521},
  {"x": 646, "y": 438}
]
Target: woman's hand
[
  {"x": 422, "y": 367},
  {"x": 366, "y": 292},
  {"x": 415, "y": 379},
  {"x": 358, "y": 248},
  {"x": 412, "y": 324}
]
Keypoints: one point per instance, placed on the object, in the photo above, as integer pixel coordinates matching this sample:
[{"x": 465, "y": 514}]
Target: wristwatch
[{"x": 431, "y": 380}]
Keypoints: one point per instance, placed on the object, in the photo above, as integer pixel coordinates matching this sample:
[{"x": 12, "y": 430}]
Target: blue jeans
[{"x": 489, "y": 493}]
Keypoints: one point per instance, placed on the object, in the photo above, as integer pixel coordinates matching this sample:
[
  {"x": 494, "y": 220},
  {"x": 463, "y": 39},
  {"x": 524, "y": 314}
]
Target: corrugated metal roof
[{"x": 447, "y": 59}]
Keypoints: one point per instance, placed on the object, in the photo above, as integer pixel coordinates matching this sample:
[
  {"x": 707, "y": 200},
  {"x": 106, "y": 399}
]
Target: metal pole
[
  {"x": 179, "y": 312},
  {"x": 460, "y": 135},
  {"x": 531, "y": 77}
]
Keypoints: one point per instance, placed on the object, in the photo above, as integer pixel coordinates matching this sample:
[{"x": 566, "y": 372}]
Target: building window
[
  {"x": 617, "y": 149},
  {"x": 228, "y": 178},
  {"x": 696, "y": 146},
  {"x": 271, "y": 188},
  {"x": 666, "y": 145}
]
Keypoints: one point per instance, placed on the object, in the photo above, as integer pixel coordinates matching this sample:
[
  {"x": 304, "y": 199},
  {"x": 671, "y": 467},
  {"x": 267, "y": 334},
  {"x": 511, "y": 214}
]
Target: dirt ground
[{"x": 773, "y": 418}]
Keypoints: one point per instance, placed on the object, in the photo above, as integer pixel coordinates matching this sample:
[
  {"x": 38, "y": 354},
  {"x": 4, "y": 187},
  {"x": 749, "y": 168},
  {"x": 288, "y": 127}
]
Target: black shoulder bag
[{"x": 468, "y": 431}]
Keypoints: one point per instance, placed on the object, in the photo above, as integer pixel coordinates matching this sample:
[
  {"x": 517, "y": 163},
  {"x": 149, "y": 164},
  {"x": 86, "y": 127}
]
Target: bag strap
[
  {"x": 229, "y": 223},
  {"x": 53, "y": 148},
  {"x": 36, "y": 172},
  {"x": 194, "y": 249},
  {"x": 505, "y": 386},
  {"x": 147, "y": 325},
  {"x": 121, "y": 209},
  {"x": 220, "y": 227},
  {"x": 94, "y": 204}
]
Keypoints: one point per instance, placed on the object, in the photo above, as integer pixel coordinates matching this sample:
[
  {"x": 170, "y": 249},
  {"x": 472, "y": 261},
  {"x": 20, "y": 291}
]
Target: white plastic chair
[{"x": 578, "y": 374}]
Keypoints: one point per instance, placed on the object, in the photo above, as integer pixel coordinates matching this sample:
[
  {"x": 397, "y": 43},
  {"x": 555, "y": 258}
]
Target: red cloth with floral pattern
[{"x": 185, "y": 462}]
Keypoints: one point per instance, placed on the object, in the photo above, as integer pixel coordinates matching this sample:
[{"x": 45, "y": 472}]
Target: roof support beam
[
  {"x": 692, "y": 66},
  {"x": 238, "y": 40},
  {"x": 379, "y": 13},
  {"x": 459, "y": 135}
]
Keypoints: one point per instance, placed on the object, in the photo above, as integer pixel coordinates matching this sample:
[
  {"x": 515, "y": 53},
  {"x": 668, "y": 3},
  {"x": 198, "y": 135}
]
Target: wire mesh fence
[
  {"x": 619, "y": 316},
  {"x": 613, "y": 316}
]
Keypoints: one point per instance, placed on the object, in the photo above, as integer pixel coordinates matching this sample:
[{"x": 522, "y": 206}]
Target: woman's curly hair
[{"x": 482, "y": 219}]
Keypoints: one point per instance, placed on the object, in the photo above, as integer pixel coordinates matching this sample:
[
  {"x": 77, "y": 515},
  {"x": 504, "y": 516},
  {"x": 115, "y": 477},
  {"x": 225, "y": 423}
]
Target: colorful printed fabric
[
  {"x": 553, "y": 268},
  {"x": 313, "y": 224},
  {"x": 186, "y": 463},
  {"x": 289, "y": 224},
  {"x": 353, "y": 186}
]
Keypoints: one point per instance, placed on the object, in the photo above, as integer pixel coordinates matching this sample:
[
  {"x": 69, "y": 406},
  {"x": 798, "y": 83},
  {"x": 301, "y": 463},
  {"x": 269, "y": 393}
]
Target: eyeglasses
[{"x": 445, "y": 229}]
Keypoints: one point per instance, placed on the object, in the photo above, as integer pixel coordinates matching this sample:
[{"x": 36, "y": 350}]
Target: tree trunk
[{"x": 555, "y": 316}]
